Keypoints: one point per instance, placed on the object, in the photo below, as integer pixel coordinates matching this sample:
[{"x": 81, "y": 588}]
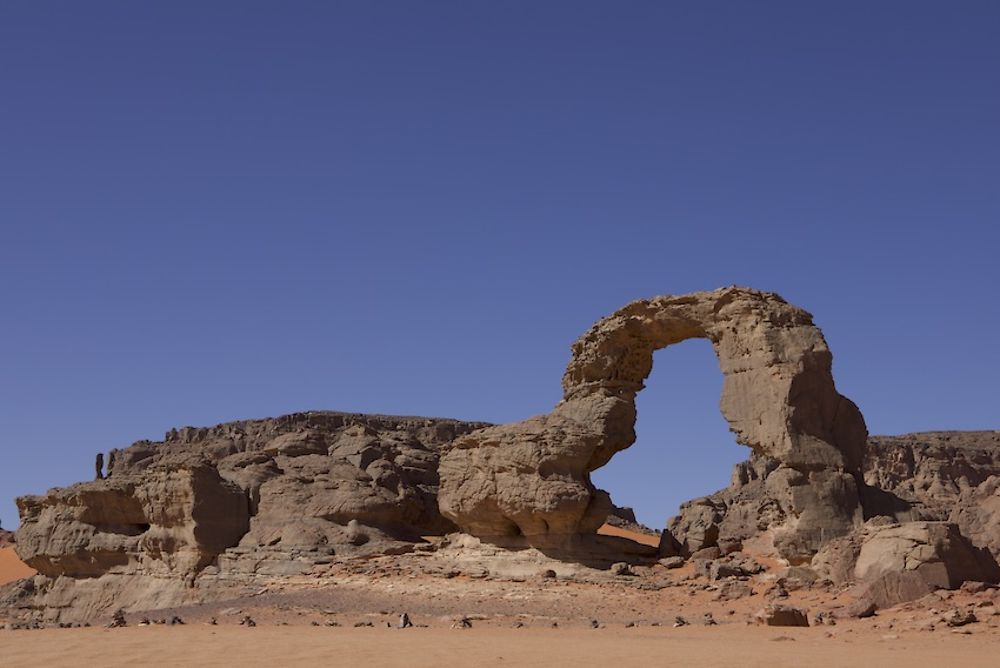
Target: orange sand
[
  {"x": 705, "y": 647},
  {"x": 644, "y": 538},
  {"x": 12, "y": 568}
]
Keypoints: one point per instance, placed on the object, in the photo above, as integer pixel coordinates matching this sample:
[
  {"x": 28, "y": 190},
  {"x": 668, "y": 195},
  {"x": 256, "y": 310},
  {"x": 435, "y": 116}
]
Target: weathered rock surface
[
  {"x": 6, "y": 538},
  {"x": 893, "y": 563},
  {"x": 934, "y": 476},
  {"x": 922, "y": 476},
  {"x": 174, "y": 520},
  {"x": 624, "y": 518},
  {"x": 531, "y": 480},
  {"x": 977, "y": 514},
  {"x": 242, "y": 498}
]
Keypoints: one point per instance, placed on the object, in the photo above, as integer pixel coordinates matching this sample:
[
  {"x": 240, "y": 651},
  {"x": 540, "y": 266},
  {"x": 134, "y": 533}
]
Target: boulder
[
  {"x": 861, "y": 608},
  {"x": 695, "y": 529},
  {"x": 977, "y": 514},
  {"x": 935, "y": 550},
  {"x": 622, "y": 568},
  {"x": 672, "y": 562},
  {"x": 731, "y": 590},
  {"x": 893, "y": 563},
  {"x": 707, "y": 553},
  {"x": 782, "y": 615},
  {"x": 924, "y": 476}
]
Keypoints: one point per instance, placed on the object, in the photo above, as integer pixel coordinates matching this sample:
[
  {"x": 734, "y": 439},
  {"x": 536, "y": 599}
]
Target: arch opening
[{"x": 684, "y": 448}]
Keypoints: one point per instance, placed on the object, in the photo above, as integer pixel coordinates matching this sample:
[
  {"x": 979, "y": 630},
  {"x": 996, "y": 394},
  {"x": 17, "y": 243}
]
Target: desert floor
[{"x": 301, "y": 646}]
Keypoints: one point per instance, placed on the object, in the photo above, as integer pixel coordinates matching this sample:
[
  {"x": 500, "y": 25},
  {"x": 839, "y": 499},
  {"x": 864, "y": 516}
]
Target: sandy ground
[
  {"x": 645, "y": 539},
  {"x": 12, "y": 568},
  {"x": 706, "y": 647}
]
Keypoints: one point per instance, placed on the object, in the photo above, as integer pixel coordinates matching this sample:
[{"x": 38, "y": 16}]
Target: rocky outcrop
[
  {"x": 175, "y": 520},
  {"x": 6, "y": 538},
  {"x": 922, "y": 476},
  {"x": 977, "y": 513},
  {"x": 208, "y": 510},
  {"x": 893, "y": 563},
  {"x": 754, "y": 501},
  {"x": 937, "y": 476},
  {"x": 530, "y": 481},
  {"x": 238, "y": 499}
]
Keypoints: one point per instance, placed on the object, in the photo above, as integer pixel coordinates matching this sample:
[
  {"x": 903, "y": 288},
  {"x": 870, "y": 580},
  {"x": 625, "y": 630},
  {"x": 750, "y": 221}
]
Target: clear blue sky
[{"x": 223, "y": 210}]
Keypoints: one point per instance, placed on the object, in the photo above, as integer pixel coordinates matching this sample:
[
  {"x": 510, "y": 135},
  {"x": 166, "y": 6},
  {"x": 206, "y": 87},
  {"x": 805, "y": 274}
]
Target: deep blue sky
[{"x": 222, "y": 210}]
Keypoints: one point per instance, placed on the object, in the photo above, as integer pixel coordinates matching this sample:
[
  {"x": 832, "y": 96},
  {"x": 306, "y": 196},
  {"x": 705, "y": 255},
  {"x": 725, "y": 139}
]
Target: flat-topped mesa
[{"x": 531, "y": 479}]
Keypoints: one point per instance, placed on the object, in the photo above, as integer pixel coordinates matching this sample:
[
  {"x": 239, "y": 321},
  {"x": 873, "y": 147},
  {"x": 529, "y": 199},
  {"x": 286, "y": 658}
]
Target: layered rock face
[
  {"x": 240, "y": 498},
  {"x": 934, "y": 503},
  {"x": 171, "y": 520},
  {"x": 977, "y": 514},
  {"x": 925, "y": 474},
  {"x": 936, "y": 476},
  {"x": 893, "y": 562},
  {"x": 530, "y": 480},
  {"x": 948, "y": 475}
]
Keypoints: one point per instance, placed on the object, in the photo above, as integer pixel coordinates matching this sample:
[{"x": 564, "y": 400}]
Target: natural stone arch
[{"x": 531, "y": 478}]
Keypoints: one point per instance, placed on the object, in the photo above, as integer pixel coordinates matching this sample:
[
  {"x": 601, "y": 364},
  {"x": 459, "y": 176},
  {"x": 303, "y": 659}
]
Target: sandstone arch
[{"x": 530, "y": 480}]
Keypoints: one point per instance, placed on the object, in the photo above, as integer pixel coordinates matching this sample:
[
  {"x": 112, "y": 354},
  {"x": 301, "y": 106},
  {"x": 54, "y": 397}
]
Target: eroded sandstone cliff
[
  {"x": 922, "y": 476},
  {"x": 241, "y": 498},
  {"x": 928, "y": 472},
  {"x": 212, "y": 511}
]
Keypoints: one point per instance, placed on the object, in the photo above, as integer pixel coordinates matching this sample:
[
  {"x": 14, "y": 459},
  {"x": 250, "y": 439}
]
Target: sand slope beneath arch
[{"x": 12, "y": 568}]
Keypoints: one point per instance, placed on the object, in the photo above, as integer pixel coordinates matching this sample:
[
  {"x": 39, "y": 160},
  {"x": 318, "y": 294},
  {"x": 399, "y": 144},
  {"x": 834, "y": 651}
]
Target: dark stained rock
[
  {"x": 957, "y": 618},
  {"x": 861, "y": 608},
  {"x": 782, "y": 615}
]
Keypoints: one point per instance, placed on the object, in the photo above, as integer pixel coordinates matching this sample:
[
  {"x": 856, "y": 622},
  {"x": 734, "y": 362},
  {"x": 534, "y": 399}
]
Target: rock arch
[{"x": 530, "y": 480}]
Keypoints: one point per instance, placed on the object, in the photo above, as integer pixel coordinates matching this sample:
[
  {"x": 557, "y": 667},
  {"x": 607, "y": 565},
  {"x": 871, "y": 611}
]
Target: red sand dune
[{"x": 12, "y": 568}]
